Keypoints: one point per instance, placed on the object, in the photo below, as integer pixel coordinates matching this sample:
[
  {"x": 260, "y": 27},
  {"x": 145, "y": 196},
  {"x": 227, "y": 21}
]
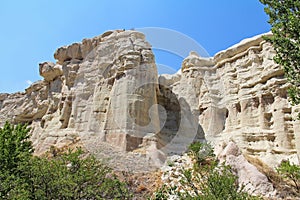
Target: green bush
[
  {"x": 290, "y": 172},
  {"x": 221, "y": 183},
  {"x": 201, "y": 152},
  {"x": 164, "y": 193},
  {"x": 68, "y": 175},
  {"x": 207, "y": 180},
  {"x": 15, "y": 155},
  {"x": 217, "y": 184}
]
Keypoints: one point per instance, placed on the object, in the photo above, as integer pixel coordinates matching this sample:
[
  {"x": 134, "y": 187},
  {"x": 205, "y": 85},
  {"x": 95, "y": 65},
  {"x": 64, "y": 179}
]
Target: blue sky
[{"x": 32, "y": 30}]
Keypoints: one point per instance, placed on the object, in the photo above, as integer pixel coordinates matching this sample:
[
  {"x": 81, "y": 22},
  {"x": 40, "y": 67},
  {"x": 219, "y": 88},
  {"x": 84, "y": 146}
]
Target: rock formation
[
  {"x": 253, "y": 181},
  {"x": 241, "y": 94},
  {"x": 107, "y": 90}
]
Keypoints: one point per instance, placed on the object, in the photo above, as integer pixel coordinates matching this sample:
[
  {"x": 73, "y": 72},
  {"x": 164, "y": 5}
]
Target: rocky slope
[{"x": 106, "y": 90}]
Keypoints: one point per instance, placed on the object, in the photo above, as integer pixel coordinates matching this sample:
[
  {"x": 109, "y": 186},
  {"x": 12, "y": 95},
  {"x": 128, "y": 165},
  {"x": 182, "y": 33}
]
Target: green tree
[
  {"x": 15, "y": 147},
  {"x": 285, "y": 21},
  {"x": 15, "y": 154},
  {"x": 70, "y": 175}
]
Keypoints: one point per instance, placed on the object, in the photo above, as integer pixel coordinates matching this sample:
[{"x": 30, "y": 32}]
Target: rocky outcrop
[
  {"x": 249, "y": 178},
  {"x": 49, "y": 71},
  {"x": 106, "y": 89},
  {"x": 241, "y": 95}
]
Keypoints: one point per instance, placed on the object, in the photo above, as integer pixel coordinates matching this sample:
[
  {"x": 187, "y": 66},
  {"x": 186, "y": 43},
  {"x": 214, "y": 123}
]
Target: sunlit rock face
[
  {"x": 241, "y": 95},
  {"x": 114, "y": 90},
  {"x": 106, "y": 90}
]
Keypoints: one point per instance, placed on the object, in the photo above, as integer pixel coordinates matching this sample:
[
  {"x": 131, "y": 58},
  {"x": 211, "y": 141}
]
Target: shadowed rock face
[{"x": 107, "y": 89}]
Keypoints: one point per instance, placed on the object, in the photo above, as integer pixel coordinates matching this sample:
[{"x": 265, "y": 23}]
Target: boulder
[
  {"x": 49, "y": 71},
  {"x": 253, "y": 181}
]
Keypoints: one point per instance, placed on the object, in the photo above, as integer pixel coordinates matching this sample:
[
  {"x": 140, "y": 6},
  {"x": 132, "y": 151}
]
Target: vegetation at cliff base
[
  {"x": 69, "y": 175},
  {"x": 285, "y": 21},
  {"x": 207, "y": 180},
  {"x": 290, "y": 172}
]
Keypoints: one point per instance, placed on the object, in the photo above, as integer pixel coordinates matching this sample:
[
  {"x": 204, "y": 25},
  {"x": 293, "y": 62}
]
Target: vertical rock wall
[
  {"x": 242, "y": 96},
  {"x": 107, "y": 89}
]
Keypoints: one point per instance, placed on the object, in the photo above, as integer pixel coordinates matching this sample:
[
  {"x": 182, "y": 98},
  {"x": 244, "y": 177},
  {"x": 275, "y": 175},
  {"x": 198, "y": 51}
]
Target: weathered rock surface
[
  {"x": 254, "y": 182},
  {"x": 107, "y": 89},
  {"x": 241, "y": 95},
  {"x": 104, "y": 89},
  {"x": 49, "y": 71}
]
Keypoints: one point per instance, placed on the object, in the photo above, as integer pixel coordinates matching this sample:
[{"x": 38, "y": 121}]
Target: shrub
[
  {"x": 201, "y": 152},
  {"x": 68, "y": 176},
  {"x": 65, "y": 176},
  {"x": 221, "y": 183},
  {"x": 290, "y": 172},
  {"x": 164, "y": 193},
  {"x": 207, "y": 180},
  {"x": 15, "y": 154}
]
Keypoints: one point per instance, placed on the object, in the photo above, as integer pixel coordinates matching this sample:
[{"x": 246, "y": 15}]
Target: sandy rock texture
[
  {"x": 253, "y": 181},
  {"x": 241, "y": 95},
  {"x": 106, "y": 89}
]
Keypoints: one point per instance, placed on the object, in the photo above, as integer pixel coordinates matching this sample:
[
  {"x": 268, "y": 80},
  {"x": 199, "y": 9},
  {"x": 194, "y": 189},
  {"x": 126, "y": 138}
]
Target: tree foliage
[
  {"x": 15, "y": 154},
  {"x": 290, "y": 172},
  {"x": 70, "y": 175},
  {"x": 285, "y": 21}
]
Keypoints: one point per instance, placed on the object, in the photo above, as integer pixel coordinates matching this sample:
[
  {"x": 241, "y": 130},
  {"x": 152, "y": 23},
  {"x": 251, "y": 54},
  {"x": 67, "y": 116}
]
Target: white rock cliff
[
  {"x": 241, "y": 95},
  {"x": 107, "y": 89}
]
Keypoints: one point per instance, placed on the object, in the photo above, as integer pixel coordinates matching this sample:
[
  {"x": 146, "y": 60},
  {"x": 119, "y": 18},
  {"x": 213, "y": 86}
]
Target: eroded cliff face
[
  {"x": 107, "y": 90},
  {"x": 104, "y": 92},
  {"x": 241, "y": 95}
]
